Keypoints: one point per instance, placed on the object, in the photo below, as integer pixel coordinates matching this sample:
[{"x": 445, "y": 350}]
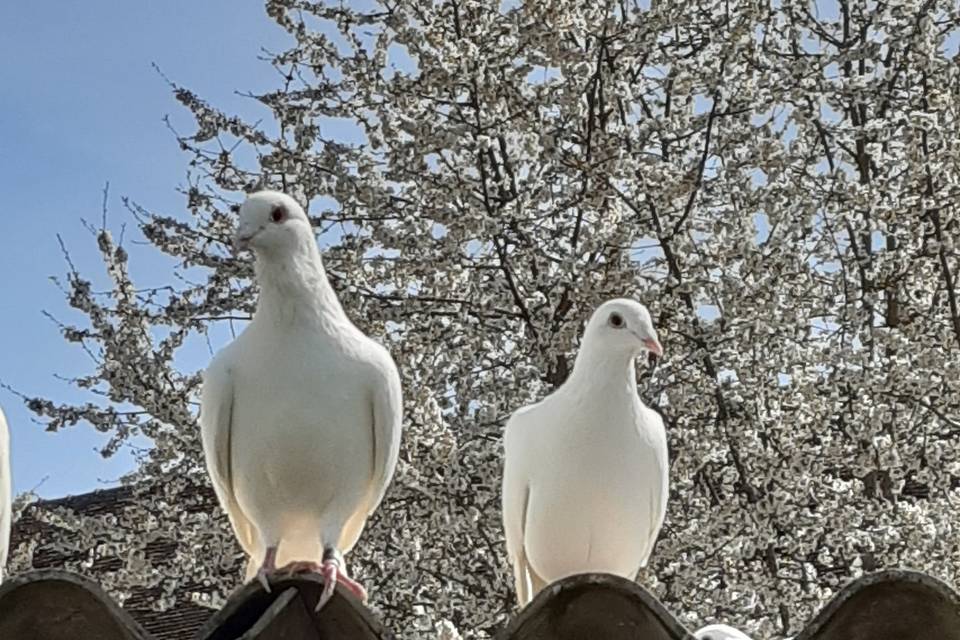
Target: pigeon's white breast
[
  {"x": 302, "y": 441},
  {"x": 595, "y": 487}
]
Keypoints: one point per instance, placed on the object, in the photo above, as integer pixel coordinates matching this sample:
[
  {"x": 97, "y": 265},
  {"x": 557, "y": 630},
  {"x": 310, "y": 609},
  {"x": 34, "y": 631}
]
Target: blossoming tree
[{"x": 778, "y": 181}]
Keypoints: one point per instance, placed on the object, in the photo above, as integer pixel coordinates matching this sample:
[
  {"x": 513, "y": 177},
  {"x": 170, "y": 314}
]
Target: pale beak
[
  {"x": 653, "y": 346},
  {"x": 241, "y": 242}
]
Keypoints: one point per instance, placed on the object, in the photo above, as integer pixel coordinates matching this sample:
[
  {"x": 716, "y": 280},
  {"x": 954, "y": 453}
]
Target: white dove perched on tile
[
  {"x": 720, "y": 632},
  {"x": 6, "y": 499},
  {"x": 585, "y": 478},
  {"x": 301, "y": 414}
]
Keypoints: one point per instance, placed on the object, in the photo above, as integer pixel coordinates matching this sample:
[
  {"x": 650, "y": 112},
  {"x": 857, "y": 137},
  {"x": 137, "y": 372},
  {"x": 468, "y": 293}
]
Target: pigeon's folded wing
[
  {"x": 387, "y": 427},
  {"x": 216, "y": 427},
  {"x": 659, "y": 494},
  {"x": 516, "y": 497}
]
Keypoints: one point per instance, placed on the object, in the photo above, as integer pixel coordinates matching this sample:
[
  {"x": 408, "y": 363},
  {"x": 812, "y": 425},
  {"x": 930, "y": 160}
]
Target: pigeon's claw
[
  {"x": 262, "y": 579},
  {"x": 268, "y": 567},
  {"x": 329, "y": 572},
  {"x": 354, "y": 587},
  {"x": 331, "y": 575}
]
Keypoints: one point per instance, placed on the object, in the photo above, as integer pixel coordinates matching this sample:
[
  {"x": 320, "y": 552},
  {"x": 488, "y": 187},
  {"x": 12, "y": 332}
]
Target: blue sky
[{"x": 81, "y": 106}]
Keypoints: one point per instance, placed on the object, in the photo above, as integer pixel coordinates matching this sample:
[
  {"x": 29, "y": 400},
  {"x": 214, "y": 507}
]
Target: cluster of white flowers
[{"x": 778, "y": 182}]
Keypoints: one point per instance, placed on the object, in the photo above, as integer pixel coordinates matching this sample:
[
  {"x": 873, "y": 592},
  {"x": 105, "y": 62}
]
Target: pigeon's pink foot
[
  {"x": 300, "y": 566},
  {"x": 268, "y": 568},
  {"x": 331, "y": 575},
  {"x": 353, "y": 586}
]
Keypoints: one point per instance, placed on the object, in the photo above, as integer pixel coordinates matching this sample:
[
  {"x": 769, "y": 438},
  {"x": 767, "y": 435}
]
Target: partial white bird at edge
[
  {"x": 6, "y": 498},
  {"x": 720, "y": 632}
]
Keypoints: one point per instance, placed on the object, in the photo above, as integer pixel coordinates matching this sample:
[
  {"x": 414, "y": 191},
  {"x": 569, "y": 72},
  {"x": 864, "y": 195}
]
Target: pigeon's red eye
[{"x": 278, "y": 214}]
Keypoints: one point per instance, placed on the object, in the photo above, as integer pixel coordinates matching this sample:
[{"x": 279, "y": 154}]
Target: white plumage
[
  {"x": 6, "y": 499},
  {"x": 586, "y": 472},
  {"x": 720, "y": 632},
  {"x": 301, "y": 414}
]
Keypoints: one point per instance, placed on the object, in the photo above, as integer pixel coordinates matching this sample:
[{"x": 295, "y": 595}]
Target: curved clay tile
[
  {"x": 287, "y": 612},
  {"x": 594, "y": 605},
  {"x": 889, "y": 605},
  {"x": 56, "y": 605}
]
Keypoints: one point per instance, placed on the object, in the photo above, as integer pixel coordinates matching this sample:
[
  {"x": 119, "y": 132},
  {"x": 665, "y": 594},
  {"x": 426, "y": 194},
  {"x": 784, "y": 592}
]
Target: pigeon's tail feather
[
  {"x": 252, "y": 566},
  {"x": 537, "y": 584},
  {"x": 528, "y": 583},
  {"x": 351, "y": 530},
  {"x": 521, "y": 578}
]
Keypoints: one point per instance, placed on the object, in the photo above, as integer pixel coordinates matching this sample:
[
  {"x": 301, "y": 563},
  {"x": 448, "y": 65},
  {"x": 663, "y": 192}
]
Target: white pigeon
[
  {"x": 6, "y": 501},
  {"x": 585, "y": 480},
  {"x": 301, "y": 414},
  {"x": 719, "y": 632}
]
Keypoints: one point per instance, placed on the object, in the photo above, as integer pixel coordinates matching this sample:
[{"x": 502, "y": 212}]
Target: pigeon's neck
[
  {"x": 604, "y": 371},
  {"x": 294, "y": 290}
]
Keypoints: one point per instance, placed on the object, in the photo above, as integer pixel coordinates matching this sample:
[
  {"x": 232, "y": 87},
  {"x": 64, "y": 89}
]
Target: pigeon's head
[
  {"x": 272, "y": 223},
  {"x": 623, "y": 324}
]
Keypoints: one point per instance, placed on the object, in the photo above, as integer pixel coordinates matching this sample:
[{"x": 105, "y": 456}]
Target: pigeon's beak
[
  {"x": 653, "y": 346},
  {"x": 654, "y": 351},
  {"x": 241, "y": 241},
  {"x": 650, "y": 343}
]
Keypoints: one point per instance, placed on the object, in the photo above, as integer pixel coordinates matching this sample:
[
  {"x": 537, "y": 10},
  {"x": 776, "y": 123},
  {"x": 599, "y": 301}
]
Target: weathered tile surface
[{"x": 55, "y": 605}]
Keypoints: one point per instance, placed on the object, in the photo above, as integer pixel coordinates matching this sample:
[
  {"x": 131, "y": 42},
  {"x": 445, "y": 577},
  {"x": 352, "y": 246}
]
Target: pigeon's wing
[
  {"x": 5, "y": 497},
  {"x": 216, "y": 428},
  {"x": 516, "y": 498},
  {"x": 387, "y": 426},
  {"x": 659, "y": 487}
]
